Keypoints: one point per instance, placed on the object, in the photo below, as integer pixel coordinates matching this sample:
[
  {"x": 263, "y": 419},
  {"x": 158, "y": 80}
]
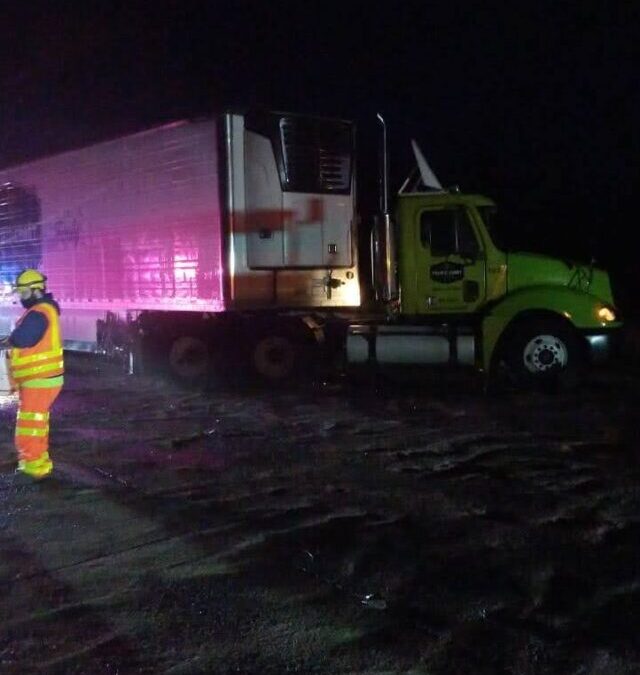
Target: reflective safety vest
[{"x": 45, "y": 358}]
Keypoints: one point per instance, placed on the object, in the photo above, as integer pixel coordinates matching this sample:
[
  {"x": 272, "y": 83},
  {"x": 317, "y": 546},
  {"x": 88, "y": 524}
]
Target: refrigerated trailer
[
  {"x": 235, "y": 239},
  {"x": 187, "y": 228}
]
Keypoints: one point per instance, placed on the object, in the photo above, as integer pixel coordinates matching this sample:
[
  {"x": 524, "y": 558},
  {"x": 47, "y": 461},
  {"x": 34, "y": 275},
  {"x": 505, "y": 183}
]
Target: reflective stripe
[
  {"x": 36, "y": 468},
  {"x": 34, "y": 416},
  {"x": 36, "y": 370},
  {"x": 34, "y": 358},
  {"x": 45, "y": 383},
  {"x": 27, "y": 431},
  {"x": 54, "y": 324},
  {"x": 43, "y": 459}
]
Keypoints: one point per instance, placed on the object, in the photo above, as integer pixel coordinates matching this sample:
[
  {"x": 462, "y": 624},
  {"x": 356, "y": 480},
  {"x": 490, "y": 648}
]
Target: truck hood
[{"x": 531, "y": 269}]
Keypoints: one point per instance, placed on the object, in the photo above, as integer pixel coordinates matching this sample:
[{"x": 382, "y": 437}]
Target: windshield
[{"x": 531, "y": 234}]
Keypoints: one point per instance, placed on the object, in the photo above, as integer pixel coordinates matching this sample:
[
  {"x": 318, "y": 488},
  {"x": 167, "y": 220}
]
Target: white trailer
[{"x": 191, "y": 234}]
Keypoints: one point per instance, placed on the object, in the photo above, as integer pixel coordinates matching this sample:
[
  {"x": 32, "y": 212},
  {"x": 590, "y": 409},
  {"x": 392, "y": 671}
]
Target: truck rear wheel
[
  {"x": 275, "y": 357},
  {"x": 544, "y": 353},
  {"x": 189, "y": 359}
]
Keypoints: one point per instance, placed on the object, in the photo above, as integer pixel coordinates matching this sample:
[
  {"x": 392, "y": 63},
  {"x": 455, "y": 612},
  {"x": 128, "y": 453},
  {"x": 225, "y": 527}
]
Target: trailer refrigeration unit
[{"x": 235, "y": 239}]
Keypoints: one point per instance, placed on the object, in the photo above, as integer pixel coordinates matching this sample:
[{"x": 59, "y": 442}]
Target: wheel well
[
  {"x": 281, "y": 346},
  {"x": 530, "y": 316},
  {"x": 229, "y": 333},
  {"x": 160, "y": 330}
]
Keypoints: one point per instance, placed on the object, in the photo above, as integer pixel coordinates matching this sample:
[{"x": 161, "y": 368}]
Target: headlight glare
[{"x": 606, "y": 314}]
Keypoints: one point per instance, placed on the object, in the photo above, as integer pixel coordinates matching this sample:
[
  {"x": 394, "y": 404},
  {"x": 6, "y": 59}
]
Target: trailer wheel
[
  {"x": 544, "y": 352},
  {"x": 189, "y": 359},
  {"x": 275, "y": 357}
]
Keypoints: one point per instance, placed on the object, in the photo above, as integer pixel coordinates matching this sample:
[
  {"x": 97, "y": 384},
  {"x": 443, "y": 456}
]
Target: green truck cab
[{"x": 455, "y": 298}]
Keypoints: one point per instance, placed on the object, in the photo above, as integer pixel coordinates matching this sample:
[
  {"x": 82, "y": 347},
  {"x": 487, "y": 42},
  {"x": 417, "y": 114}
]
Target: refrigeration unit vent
[{"x": 317, "y": 155}]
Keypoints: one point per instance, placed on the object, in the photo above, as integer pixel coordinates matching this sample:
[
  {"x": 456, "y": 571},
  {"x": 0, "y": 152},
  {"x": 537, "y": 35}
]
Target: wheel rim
[
  {"x": 544, "y": 353},
  {"x": 274, "y": 357}
]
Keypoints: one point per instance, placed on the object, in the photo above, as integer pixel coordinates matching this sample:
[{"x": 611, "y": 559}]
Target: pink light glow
[{"x": 133, "y": 223}]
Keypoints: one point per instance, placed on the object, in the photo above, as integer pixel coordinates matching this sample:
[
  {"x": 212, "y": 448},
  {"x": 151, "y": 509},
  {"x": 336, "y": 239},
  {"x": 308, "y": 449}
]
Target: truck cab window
[
  {"x": 496, "y": 228},
  {"x": 467, "y": 242},
  {"x": 437, "y": 231},
  {"x": 448, "y": 232}
]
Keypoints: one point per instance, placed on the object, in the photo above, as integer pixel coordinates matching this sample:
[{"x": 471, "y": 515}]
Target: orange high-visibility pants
[{"x": 32, "y": 423}]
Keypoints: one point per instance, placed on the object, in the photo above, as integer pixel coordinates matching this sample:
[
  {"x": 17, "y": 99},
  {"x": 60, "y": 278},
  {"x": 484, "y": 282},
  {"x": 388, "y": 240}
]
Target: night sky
[{"x": 537, "y": 106}]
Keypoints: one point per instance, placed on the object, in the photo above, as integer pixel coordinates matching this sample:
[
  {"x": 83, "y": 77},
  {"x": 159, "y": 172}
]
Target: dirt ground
[{"x": 412, "y": 527}]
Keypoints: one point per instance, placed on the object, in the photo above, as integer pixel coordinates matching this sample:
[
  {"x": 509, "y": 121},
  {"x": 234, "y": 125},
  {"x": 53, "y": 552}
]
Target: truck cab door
[{"x": 450, "y": 262}]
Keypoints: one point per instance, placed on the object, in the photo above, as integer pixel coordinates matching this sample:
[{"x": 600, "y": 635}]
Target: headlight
[{"x": 606, "y": 314}]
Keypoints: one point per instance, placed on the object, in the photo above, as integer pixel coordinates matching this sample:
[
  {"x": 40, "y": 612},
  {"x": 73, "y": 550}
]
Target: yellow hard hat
[{"x": 31, "y": 278}]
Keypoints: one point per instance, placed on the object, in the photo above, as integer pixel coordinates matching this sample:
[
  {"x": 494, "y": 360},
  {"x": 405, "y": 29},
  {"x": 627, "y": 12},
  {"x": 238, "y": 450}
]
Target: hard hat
[{"x": 31, "y": 278}]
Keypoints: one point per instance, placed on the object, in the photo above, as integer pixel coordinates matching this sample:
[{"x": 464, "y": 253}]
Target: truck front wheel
[{"x": 544, "y": 352}]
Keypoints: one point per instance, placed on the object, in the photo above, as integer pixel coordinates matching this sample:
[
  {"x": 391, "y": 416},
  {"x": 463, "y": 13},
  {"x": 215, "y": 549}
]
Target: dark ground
[{"x": 420, "y": 528}]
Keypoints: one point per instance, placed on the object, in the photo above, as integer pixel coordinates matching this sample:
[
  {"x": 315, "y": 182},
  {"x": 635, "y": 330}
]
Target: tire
[
  {"x": 275, "y": 358},
  {"x": 189, "y": 360},
  {"x": 544, "y": 353}
]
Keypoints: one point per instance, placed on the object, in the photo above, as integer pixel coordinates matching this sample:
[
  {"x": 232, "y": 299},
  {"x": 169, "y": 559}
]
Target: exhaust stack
[{"x": 383, "y": 253}]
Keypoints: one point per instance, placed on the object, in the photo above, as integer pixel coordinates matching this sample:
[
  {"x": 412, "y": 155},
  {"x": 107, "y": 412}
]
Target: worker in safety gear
[{"x": 36, "y": 368}]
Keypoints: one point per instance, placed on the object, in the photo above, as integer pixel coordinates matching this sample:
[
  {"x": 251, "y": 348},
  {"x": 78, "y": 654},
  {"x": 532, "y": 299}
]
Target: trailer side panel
[{"x": 121, "y": 226}]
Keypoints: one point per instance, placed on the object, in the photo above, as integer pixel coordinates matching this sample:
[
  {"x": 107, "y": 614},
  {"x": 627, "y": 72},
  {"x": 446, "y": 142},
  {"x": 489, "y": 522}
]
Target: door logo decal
[{"x": 447, "y": 272}]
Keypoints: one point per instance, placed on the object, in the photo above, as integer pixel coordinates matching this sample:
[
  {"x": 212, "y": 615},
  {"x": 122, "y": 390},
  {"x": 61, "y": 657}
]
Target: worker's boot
[{"x": 36, "y": 468}]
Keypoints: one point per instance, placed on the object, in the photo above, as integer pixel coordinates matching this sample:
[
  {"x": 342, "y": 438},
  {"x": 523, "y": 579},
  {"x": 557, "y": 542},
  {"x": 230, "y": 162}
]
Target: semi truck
[{"x": 238, "y": 240}]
